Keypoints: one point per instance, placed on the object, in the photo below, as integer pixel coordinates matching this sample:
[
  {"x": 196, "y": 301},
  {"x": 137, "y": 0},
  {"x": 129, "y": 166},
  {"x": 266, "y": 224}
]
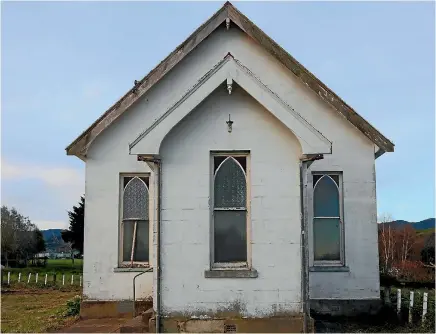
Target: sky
[{"x": 63, "y": 64}]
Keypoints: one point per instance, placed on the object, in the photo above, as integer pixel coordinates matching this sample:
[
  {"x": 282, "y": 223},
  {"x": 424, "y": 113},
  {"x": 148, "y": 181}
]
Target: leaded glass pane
[
  {"x": 326, "y": 239},
  {"x": 135, "y": 200},
  {"x": 230, "y": 235},
  {"x": 141, "y": 247},
  {"x": 230, "y": 188},
  {"x": 128, "y": 227},
  {"x": 326, "y": 198}
]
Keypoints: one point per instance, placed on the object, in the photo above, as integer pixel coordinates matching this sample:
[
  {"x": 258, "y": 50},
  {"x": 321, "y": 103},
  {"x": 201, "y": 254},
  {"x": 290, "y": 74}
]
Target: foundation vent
[{"x": 230, "y": 329}]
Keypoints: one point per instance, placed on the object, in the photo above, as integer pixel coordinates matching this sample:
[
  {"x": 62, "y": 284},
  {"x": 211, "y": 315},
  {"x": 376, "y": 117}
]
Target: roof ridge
[{"x": 80, "y": 145}]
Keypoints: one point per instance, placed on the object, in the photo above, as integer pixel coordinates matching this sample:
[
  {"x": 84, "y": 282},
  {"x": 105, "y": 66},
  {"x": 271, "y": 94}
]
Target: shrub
[{"x": 73, "y": 306}]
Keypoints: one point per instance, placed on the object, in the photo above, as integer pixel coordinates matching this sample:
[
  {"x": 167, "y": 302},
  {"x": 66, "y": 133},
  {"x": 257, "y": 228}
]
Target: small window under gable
[
  {"x": 327, "y": 218},
  {"x": 135, "y": 220}
]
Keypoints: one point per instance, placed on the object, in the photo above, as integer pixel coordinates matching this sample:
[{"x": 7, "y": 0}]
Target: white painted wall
[{"x": 108, "y": 156}]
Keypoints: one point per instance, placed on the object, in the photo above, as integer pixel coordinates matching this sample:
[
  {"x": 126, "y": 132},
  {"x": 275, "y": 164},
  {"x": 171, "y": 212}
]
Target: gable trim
[
  {"x": 81, "y": 144},
  {"x": 228, "y": 70}
]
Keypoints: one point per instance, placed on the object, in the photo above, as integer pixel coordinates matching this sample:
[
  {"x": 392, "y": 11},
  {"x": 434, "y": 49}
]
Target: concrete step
[
  {"x": 147, "y": 315},
  {"x": 135, "y": 325}
]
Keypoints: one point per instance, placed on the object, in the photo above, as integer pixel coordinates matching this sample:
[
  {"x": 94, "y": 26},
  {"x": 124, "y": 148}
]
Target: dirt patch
[{"x": 34, "y": 311}]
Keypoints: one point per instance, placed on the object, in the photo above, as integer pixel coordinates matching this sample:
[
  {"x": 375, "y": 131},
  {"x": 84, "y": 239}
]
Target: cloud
[
  {"x": 43, "y": 193},
  {"x": 46, "y": 224},
  {"x": 53, "y": 176}
]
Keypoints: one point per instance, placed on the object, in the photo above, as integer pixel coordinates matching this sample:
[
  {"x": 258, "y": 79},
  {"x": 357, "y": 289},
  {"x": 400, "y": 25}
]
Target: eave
[{"x": 81, "y": 144}]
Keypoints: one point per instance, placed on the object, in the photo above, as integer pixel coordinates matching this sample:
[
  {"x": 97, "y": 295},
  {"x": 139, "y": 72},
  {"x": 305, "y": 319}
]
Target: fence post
[
  {"x": 63, "y": 279},
  {"x": 54, "y": 279},
  {"x": 19, "y": 277},
  {"x": 399, "y": 303},
  {"x": 80, "y": 280},
  {"x": 9, "y": 277},
  {"x": 411, "y": 306},
  {"x": 387, "y": 293},
  {"x": 72, "y": 279},
  {"x": 36, "y": 278},
  {"x": 424, "y": 306},
  {"x": 28, "y": 280},
  {"x": 45, "y": 281}
]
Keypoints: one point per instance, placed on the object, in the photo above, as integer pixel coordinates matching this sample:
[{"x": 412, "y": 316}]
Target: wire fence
[
  {"x": 36, "y": 279},
  {"x": 411, "y": 305}
]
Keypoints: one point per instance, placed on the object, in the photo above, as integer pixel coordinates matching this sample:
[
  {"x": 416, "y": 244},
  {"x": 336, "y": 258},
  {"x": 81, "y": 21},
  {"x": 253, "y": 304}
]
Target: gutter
[
  {"x": 305, "y": 163},
  {"x": 158, "y": 170}
]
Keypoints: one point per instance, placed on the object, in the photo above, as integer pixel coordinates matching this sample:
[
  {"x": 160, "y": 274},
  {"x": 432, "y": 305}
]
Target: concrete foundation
[
  {"x": 291, "y": 324},
  {"x": 112, "y": 309},
  {"x": 343, "y": 307}
]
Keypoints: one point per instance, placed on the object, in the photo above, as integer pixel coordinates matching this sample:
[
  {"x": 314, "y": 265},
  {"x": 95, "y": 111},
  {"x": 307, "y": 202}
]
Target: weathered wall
[
  {"x": 108, "y": 158},
  {"x": 275, "y": 212},
  {"x": 353, "y": 154}
]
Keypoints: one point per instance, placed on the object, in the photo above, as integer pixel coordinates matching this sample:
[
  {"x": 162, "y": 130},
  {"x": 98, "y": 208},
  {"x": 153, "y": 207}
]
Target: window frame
[
  {"x": 341, "y": 261},
  {"x": 135, "y": 264},
  {"x": 230, "y": 265}
]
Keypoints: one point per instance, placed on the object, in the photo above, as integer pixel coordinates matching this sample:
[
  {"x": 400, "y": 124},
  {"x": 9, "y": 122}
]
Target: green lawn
[
  {"x": 53, "y": 266},
  {"x": 60, "y": 269}
]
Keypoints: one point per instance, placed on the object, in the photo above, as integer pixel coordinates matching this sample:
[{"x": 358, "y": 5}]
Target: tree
[
  {"x": 74, "y": 235},
  {"x": 387, "y": 241},
  {"x": 407, "y": 239},
  {"x": 20, "y": 239},
  {"x": 428, "y": 251}
]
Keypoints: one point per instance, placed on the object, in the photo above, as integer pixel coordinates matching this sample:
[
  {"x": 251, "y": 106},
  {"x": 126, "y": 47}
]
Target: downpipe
[
  {"x": 304, "y": 276},
  {"x": 304, "y": 165},
  {"x": 134, "y": 289},
  {"x": 158, "y": 163},
  {"x": 158, "y": 255}
]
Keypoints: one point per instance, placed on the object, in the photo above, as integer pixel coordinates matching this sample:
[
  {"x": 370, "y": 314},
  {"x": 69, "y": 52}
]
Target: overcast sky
[{"x": 65, "y": 63}]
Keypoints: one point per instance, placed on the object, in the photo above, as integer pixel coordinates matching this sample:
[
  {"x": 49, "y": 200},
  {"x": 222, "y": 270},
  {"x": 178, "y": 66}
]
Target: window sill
[
  {"x": 133, "y": 270},
  {"x": 231, "y": 273},
  {"x": 329, "y": 269}
]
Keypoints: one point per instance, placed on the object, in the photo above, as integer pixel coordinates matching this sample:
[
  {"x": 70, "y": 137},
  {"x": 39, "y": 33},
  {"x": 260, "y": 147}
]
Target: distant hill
[
  {"x": 53, "y": 240},
  {"x": 425, "y": 224}
]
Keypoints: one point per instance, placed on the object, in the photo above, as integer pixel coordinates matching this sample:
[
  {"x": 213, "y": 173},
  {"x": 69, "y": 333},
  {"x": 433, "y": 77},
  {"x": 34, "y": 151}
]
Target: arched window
[
  {"x": 230, "y": 209},
  {"x": 327, "y": 229},
  {"x": 135, "y": 223}
]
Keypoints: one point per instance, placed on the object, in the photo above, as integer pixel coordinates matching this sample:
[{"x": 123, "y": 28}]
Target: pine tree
[{"x": 74, "y": 234}]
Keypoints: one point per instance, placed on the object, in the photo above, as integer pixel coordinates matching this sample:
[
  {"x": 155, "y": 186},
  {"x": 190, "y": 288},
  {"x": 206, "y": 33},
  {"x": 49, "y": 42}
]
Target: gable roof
[{"x": 80, "y": 145}]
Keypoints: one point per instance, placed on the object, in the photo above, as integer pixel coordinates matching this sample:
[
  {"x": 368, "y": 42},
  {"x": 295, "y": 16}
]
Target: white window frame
[
  {"x": 135, "y": 264},
  {"x": 341, "y": 261},
  {"x": 230, "y": 265}
]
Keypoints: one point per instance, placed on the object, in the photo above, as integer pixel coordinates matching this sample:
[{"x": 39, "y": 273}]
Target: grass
[
  {"x": 58, "y": 267},
  {"x": 53, "y": 266},
  {"x": 35, "y": 311},
  {"x": 425, "y": 232}
]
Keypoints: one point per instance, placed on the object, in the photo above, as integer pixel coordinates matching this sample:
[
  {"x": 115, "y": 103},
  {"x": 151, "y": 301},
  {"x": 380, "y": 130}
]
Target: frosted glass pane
[
  {"x": 141, "y": 248},
  {"x": 127, "y": 239},
  {"x": 326, "y": 198},
  {"x": 230, "y": 235},
  {"x": 326, "y": 239},
  {"x": 135, "y": 200},
  {"x": 230, "y": 189}
]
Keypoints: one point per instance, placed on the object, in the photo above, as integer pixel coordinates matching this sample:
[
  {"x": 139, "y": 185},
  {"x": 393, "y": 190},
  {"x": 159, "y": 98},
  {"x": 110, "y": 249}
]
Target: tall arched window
[
  {"x": 230, "y": 209},
  {"x": 327, "y": 222},
  {"x": 135, "y": 222}
]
